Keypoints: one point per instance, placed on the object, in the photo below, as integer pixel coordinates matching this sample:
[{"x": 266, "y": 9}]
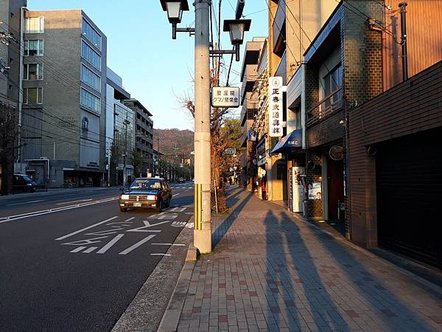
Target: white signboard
[
  {"x": 275, "y": 106},
  {"x": 225, "y": 96}
]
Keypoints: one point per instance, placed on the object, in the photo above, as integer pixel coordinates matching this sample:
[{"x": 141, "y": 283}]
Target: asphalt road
[{"x": 71, "y": 260}]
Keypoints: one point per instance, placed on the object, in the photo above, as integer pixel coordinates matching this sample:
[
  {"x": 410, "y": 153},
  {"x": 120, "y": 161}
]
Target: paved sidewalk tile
[{"x": 272, "y": 271}]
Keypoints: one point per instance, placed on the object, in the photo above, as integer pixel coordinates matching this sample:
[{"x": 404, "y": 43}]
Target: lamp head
[
  {"x": 174, "y": 9},
  {"x": 236, "y": 29}
]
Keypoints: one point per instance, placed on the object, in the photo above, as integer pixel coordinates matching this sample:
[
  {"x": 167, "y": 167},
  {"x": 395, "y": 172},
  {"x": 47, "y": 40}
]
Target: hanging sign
[
  {"x": 275, "y": 106},
  {"x": 225, "y": 96}
]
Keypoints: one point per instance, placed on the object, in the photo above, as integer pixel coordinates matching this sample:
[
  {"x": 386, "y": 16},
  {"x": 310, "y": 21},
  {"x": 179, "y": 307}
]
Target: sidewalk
[{"x": 272, "y": 271}]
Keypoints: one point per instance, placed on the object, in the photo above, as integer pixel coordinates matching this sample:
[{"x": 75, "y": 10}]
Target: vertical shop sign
[{"x": 275, "y": 106}]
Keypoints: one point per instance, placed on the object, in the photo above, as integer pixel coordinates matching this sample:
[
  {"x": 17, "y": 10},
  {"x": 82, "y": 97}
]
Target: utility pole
[{"x": 203, "y": 224}]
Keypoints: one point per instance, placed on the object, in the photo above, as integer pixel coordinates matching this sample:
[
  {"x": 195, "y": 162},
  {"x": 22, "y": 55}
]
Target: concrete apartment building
[
  {"x": 144, "y": 162},
  {"x": 64, "y": 98},
  {"x": 250, "y": 77},
  {"x": 10, "y": 24},
  {"x": 120, "y": 132}
]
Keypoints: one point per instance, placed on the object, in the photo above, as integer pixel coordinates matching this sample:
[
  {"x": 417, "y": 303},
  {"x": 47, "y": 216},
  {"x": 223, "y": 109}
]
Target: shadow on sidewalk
[
  {"x": 287, "y": 255},
  {"x": 368, "y": 285},
  {"x": 222, "y": 229}
]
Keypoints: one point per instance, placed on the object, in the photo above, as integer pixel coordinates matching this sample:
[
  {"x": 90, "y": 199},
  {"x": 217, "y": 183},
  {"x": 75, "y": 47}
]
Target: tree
[{"x": 8, "y": 134}]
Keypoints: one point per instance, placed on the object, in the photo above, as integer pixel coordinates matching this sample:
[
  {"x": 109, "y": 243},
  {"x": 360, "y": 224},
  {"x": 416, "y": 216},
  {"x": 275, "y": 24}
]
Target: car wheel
[{"x": 123, "y": 209}]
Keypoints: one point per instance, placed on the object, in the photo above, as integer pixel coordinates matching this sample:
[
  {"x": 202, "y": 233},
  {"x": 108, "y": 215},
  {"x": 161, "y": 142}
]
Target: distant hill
[{"x": 173, "y": 142}]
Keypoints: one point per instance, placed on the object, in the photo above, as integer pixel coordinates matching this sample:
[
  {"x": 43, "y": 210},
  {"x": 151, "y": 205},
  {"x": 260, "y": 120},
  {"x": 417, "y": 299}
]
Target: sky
[{"x": 155, "y": 69}]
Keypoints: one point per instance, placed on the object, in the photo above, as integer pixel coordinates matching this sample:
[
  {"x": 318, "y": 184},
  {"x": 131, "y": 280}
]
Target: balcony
[
  {"x": 248, "y": 81},
  {"x": 326, "y": 107},
  {"x": 282, "y": 68}
]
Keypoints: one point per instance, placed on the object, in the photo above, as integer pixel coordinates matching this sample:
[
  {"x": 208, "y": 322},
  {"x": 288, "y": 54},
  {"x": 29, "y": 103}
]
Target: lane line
[
  {"x": 159, "y": 254},
  {"x": 84, "y": 229},
  {"x": 136, "y": 245},
  {"x": 110, "y": 244},
  {"x": 48, "y": 211},
  {"x": 73, "y": 202},
  {"x": 27, "y": 202}
]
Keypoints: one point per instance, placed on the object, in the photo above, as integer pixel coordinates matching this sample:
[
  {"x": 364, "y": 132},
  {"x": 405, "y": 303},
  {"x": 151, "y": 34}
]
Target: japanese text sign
[
  {"x": 275, "y": 106},
  {"x": 225, "y": 96}
]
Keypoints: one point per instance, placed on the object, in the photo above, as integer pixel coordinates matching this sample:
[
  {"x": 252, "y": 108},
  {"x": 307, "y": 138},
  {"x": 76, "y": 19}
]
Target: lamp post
[{"x": 202, "y": 165}]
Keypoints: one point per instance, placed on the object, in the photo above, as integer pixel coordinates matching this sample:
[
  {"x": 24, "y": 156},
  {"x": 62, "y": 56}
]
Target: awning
[{"x": 288, "y": 142}]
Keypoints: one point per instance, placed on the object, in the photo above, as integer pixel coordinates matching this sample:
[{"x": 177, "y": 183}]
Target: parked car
[
  {"x": 146, "y": 193},
  {"x": 22, "y": 182},
  {"x": 181, "y": 180}
]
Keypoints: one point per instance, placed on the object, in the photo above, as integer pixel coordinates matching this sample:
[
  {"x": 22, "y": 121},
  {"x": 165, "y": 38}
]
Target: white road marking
[
  {"x": 89, "y": 250},
  {"x": 178, "y": 209},
  {"x": 105, "y": 232},
  {"x": 179, "y": 223},
  {"x": 159, "y": 254},
  {"x": 129, "y": 219},
  {"x": 78, "y": 249},
  {"x": 175, "y": 195},
  {"x": 143, "y": 229},
  {"x": 169, "y": 244},
  {"x": 85, "y": 241},
  {"x": 27, "y": 202},
  {"x": 110, "y": 244},
  {"x": 136, "y": 245},
  {"x": 48, "y": 211},
  {"x": 73, "y": 202},
  {"x": 84, "y": 229}
]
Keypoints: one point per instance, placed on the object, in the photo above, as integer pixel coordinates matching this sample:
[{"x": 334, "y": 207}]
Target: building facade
[
  {"x": 250, "y": 77},
  {"x": 144, "y": 138},
  {"x": 394, "y": 182},
  {"x": 120, "y": 133},
  {"x": 361, "y": 120},
  {"x": 64, "y": 98},
  {"x": 11, "y": 13}
]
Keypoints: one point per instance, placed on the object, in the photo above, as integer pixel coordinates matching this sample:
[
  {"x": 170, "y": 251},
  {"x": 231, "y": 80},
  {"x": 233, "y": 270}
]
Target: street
[{"x": 71, "y": 261}]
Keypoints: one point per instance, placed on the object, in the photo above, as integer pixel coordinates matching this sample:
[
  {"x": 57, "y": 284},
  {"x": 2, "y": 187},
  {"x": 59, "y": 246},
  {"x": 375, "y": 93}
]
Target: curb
[{"x": 172, "y": 315}]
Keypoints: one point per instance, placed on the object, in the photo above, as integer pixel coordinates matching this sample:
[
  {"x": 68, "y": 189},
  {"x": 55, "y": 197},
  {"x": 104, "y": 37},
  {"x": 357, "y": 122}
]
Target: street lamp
[
  {"x": 237, "y": 29},
  {"x": 175, "y": 10},
  {"x": 202, "y": 164}
]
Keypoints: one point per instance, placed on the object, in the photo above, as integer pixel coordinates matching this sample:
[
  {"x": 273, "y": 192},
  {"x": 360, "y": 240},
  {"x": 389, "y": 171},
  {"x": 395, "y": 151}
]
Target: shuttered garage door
[{"x": 409, "y": 196}]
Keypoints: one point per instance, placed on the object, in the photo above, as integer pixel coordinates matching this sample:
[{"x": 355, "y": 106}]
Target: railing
[{"x": 325, "y": 107}]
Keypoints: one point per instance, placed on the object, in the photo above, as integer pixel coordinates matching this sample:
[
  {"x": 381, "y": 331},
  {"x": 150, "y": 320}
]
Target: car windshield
[{"x": 145, "y": 184}]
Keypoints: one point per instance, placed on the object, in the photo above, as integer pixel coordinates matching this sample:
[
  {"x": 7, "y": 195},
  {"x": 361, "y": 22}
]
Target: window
[
  {"x": 90, "y": 101},
  {"x": 90, "y": 78},
  {"x": 32, "y": 95},
  {"x": 34, "y": 24},
  {"x": 91, "y": 34},
  {"x": 34, "y": 47},
  {"x": 332, "y": 83},
  {"x": 32, "y": 71},
  {"x": 85, "y": 124},
  {"x": 90, "y": 56}
]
